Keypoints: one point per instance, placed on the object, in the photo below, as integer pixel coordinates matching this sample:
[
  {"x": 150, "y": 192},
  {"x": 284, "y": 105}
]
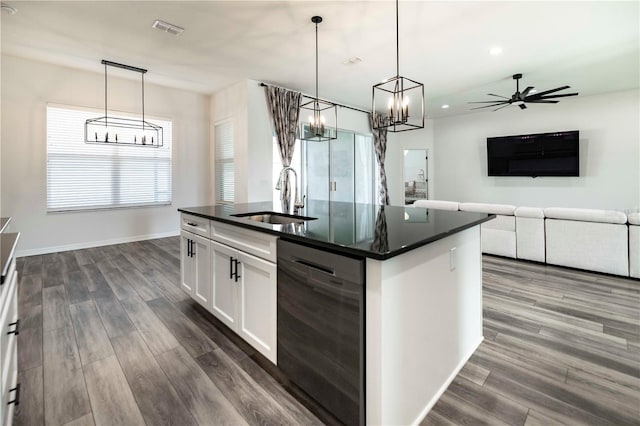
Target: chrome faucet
[{"x": 297, "y": 204}]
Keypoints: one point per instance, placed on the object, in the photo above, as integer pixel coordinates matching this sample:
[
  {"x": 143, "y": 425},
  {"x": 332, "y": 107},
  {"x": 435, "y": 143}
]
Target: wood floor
[{"x": 108, "y": 338}]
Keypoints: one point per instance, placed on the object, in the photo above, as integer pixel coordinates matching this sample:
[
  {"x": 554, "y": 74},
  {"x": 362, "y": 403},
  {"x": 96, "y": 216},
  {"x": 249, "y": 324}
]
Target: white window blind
[
  {"x": 225, "y": 171},
  {"x": 87, "y": 176}
]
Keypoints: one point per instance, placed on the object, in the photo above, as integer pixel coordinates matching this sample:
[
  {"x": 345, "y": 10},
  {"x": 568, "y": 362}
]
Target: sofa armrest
[{"x": 531, "y": 212}]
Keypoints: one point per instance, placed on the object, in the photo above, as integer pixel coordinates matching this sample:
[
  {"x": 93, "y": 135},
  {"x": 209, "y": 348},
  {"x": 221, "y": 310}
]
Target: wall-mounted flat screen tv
[{"x": 541, "y": 154}]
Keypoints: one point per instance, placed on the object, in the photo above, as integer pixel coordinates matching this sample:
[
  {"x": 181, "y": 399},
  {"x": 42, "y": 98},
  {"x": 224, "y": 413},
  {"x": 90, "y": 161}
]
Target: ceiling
[{"x": 592, "y": 46}]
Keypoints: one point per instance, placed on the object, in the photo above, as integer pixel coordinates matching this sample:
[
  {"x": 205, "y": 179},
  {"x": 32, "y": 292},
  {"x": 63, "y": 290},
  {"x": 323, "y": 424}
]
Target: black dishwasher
[{"x": 321, "y": 327}]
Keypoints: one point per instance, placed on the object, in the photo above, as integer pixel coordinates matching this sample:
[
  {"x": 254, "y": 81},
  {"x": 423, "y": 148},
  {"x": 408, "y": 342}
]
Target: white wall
[
  {"x": 27, "y": 87},
  {"x": 245, "y": 104},
  {"x": 609, "y": 178}
]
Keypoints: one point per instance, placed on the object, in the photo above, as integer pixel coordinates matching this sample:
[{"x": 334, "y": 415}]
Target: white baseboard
[
  {"x": 89, "y": 244},
  {"x": 445, "y": 385}
]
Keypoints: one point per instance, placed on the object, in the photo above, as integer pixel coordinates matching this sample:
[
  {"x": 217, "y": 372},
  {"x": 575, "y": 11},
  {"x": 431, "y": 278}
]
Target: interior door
[{"x": 342, "y": 167}]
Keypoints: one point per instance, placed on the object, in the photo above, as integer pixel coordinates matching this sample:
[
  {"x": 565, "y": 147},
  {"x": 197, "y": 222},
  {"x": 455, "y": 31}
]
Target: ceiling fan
[{"x": 522, "y": 98}]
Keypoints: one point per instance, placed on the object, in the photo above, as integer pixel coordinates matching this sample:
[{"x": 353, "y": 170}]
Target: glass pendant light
[
  {"x": 321, "y": 115},
  {"x": 122, "y": 130},
  {"x": 398, "y": 102}
]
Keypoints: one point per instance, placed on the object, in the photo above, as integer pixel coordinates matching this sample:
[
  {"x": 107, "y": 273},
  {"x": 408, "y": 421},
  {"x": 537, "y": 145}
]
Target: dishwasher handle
[{"x": 315, "y": 266}]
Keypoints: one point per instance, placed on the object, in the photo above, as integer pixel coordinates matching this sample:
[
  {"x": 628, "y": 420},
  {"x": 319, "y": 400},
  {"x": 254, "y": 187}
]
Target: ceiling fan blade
[
  {"x": 493, "y": 94},
  {"x": 557, "y": 89},
  {"x": 487, "y": 102},
  {"x": 489, "y": 106},
  {"x": 522, "y": 106},
  {"x": 541, "y": 101},
  {"x": 501, "y": 107},
  {"x": 554, "y": 96},
  {"x": 526, "y": 91}
]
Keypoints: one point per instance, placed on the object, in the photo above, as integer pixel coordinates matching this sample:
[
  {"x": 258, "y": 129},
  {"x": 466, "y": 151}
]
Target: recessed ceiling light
[
  {"x": 495, "y": 51},
  {"x": 445, "y": 106},
  {"x": 167, "y": 27},
  {"x": 352, "y": 61},
  {"x": 10, "y": 10}
]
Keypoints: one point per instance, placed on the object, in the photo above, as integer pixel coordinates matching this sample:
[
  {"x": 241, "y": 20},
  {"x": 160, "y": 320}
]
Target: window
[
  {"x": 225, "y": 170},
  {"x": 86, "y": 176}
]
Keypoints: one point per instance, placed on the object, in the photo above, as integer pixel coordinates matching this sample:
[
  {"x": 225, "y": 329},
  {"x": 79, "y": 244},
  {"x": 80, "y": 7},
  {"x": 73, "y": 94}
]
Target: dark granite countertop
[
  {"x": 4, "y": 221},
  {"x": 362, "y": 230},
  {"x": 8, "y": 244}
]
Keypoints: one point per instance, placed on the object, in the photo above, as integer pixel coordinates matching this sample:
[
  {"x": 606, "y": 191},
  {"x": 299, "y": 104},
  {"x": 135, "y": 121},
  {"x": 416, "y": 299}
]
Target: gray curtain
[
  {"x": 380, "y": 145},
  {"x": 380, "y": 241},
  {"x": 284, "y": 108}
]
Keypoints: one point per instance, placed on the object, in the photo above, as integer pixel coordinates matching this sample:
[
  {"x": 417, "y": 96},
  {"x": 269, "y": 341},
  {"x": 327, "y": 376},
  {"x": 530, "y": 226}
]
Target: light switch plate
[{"x": 452, "y": 259}]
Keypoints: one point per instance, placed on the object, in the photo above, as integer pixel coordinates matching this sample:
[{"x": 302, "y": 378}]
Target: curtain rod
[{"x": 313, "y": 97}]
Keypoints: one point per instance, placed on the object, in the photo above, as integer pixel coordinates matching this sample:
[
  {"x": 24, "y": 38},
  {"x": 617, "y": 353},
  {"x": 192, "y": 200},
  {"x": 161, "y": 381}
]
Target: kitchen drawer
[
  {"x": 195, "y": 224},
  {"x": 5, "y": 286},
  {"x": 9, "y": 324},
  {"x": 253, "y": 242}
]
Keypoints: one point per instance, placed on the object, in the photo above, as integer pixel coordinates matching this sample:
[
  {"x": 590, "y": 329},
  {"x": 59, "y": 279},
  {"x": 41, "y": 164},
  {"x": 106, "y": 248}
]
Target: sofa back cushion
[{"x": 586, "y": 215}]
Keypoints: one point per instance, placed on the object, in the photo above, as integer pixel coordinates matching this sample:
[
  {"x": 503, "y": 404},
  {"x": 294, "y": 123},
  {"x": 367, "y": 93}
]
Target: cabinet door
[
  {"x": 202, "y": 287},
  {"x": 225, "y": 288},
  {"x": 187, "y": 262},
  {"x": 257, "y": 304}
]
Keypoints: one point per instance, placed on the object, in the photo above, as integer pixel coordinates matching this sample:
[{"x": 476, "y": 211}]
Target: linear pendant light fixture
[
  {"x": 398, "y": 102},
  {"x": 323, "y": 115},
  {"x": 121, "y": 130}
]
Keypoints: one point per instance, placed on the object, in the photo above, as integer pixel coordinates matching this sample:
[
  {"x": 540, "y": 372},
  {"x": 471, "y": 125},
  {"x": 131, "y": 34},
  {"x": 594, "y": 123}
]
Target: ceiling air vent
[{"x": 167, "y": 27}]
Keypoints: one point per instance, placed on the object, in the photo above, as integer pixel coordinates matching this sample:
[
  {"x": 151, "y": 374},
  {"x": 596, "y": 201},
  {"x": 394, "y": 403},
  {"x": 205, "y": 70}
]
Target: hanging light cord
[
  {"x": 105, "y": 96},
  {"x": 397, "y": 42},
  {"x": 316, "y": 62},
  {"x": 143, "y": 122}
]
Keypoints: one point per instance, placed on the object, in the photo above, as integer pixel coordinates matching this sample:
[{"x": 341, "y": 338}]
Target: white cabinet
[
  {"x": 9, "y": 329},
  {"x": 232, "y": 272},
  {"x": 195, "y": 267},
  {"x": 244, "y": 296}
]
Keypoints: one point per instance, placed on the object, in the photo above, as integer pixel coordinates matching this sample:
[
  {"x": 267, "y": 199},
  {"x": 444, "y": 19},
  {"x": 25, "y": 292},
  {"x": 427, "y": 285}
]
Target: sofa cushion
[
  {"x": 602, "y": 247},
  {"x": 533, "y": 212},
  {"x": 634, "y": 218},
  {"x": 437, "y": 204},
  {"x": 634, "y": 251},
  {"x": 503, "y": 209},
  {"x": 498, "y": 242},
  {"x": 586, "y": 215},
  {"x": 530, "y": 242},
  {"x": 502, "y": 223}
]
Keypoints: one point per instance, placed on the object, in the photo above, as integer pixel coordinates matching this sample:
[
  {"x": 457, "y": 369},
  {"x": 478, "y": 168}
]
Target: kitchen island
[{"x": 421, "y": 304}]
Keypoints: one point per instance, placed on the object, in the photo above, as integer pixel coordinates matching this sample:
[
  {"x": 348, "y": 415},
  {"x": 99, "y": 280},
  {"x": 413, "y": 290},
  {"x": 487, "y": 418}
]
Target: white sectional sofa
[
  {"x": 498, "y": 235},
  {"x": 634, "y": 244},
  {"x": 597, "y": 240},
  {"x": 530, "y": 241}
]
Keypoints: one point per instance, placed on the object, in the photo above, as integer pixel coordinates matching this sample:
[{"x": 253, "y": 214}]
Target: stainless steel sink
[{"x": 273, "y": 217}]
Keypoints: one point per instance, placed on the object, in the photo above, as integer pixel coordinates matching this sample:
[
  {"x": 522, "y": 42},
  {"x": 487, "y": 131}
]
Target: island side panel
[{"x": 423, "y": 322}]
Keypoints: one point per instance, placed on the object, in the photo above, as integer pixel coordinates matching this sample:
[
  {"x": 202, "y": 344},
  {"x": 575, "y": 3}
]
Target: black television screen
[{"x": 541, "y": 154}]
